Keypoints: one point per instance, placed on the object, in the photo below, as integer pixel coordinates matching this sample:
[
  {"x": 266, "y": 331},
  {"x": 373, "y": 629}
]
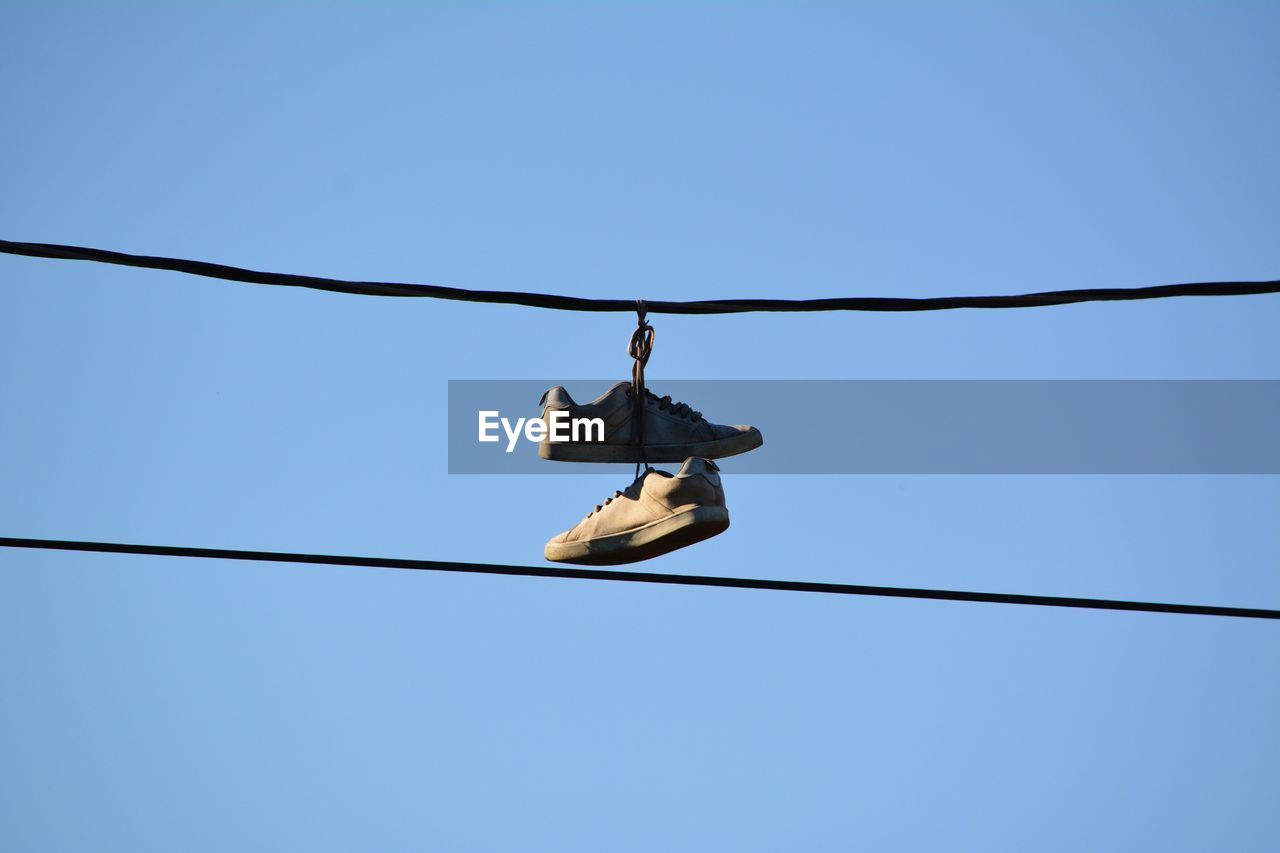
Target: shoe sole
[
  {"x": 561, "y": 451},
  {"x": 643, "y": 543}
]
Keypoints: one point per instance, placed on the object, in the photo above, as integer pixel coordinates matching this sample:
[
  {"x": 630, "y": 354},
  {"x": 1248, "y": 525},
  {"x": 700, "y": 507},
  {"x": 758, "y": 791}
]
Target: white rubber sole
[
  {"x": 643, "y": 543},
  {"x": 563, "y": 451}
]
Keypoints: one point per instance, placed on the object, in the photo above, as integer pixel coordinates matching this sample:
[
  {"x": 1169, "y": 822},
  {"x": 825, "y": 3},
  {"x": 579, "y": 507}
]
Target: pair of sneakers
[{"x": 659, "y": 512}]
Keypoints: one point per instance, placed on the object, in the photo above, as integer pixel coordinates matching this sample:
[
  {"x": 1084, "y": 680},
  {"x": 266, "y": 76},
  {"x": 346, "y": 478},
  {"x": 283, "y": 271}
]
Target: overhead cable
[
  {"x": 576, "y": 303},
  {"x": 641, "y": 577}
]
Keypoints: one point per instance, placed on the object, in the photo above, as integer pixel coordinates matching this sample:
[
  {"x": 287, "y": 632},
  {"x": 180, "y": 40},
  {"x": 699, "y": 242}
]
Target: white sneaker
[{"x": 655, "y": 515}]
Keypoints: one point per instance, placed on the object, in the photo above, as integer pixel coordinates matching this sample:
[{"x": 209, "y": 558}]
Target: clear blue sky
[{"x": 628, "y": 150}]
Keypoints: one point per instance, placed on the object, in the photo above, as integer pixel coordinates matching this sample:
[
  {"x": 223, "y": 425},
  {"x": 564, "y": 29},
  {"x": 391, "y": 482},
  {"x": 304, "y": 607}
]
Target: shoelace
[
  {"x": 640, "y": 348},
  {"x": 607, "y": 501},
  {"x": 620, "y": 492},
  {"x": 683, "y": 410}
]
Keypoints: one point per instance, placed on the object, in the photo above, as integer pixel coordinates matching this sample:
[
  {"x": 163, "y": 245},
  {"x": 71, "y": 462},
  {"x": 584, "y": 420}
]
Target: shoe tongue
[
  {"x": 624, "y": 389},
  {"x": 615, "y": 396},
  {"x": 634, "y": 490},
  {"x": 696, "y": 465}
]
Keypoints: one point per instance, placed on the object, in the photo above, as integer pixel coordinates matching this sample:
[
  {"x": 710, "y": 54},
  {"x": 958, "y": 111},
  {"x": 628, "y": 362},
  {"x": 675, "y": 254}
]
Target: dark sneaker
[{"x": 672, "y": 431}]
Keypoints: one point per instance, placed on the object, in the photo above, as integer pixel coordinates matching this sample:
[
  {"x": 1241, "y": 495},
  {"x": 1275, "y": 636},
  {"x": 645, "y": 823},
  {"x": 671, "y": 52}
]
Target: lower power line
[{"x": 640, "y": 577}]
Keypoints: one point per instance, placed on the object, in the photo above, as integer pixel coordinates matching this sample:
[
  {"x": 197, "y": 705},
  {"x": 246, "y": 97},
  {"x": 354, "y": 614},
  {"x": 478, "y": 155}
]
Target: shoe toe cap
[{"x": 730, "y": 430}]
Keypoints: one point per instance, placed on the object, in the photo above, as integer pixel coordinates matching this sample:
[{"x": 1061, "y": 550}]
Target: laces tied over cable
[{"x": 640, "y": 348}]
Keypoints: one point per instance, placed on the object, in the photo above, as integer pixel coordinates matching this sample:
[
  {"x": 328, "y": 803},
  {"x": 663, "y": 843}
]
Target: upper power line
[
  {"x": 575, "y": 303},
  {"x": 642, "y": 577}
]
